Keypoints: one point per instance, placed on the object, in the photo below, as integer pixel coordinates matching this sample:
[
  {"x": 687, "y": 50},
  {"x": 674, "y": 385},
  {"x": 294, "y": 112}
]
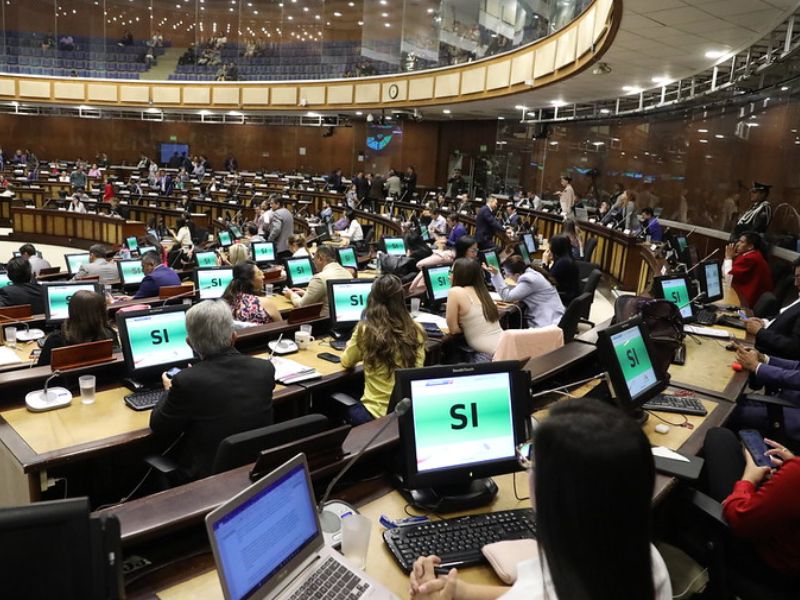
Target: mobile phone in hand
[{"x": 754, "y": 443}]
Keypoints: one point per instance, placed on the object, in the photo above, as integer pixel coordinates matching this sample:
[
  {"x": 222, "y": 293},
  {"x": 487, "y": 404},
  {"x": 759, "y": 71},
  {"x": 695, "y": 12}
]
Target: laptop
[{"x": 267, "y": 543}]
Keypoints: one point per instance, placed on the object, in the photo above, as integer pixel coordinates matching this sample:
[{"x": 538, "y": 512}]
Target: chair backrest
[
  {"x": 588, "y": 249},
  {"x": 243, "y": 448},
  {"x": 516, "y": 344},
  {"x": 589, "y": 288},
  {"x": 572, "y": 316},
  {"x": 766, "y": 306}
]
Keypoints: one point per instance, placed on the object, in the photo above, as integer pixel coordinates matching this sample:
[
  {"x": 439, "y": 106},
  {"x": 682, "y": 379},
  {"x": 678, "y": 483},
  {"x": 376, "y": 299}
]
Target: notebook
[{"x": 267, "y": 543}]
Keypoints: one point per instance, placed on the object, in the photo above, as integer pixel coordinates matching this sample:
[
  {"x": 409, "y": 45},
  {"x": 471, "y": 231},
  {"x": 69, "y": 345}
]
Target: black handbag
[{"x": 663, "y": 325}]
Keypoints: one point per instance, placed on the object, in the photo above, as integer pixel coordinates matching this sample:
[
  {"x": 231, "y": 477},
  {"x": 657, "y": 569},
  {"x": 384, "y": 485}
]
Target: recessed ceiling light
[
  {"x": 784, "y": 88},
  {"x": 703, "y": 141},
  {"x": 714, "y": 54},
  {"x": 152, "y": 110},
  {"x": 359, "y": 113},
  {"x": 388, "y": 118},
  {"x": 520, "y": 107},
  {"x": 598, "y": 143},
  {"x": 752, "y": 124},
  {"x": 604, "y": 111},
  {"x": 702, "y": 130},
  {"x": 337, "y": 14},
  {"x": 386, "y": 25},
  {"x": 661, "y": 80},
  {"x": 204, "y": 112},
  {"x": 385, "y": 15},
  {"x": 501, "y": 118},
  {"x": 446, "y": 111},
  {"x": 554, "y": 143},
  {"x": 719, "y": 136},
  {"x": 559, "y": 103}
]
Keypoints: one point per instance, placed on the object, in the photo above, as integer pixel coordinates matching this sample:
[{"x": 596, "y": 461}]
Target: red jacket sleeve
[
  {"x": 758, "y": 513},
  {"x": 742, "y": 266}
]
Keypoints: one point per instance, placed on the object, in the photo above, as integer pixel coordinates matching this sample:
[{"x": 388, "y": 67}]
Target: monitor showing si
[
  {"x": 437, "y": 282},
  {"x": 394, "y": 246},
  {"x": 347, "y": 257},
  {"x": 299, "y": 271},
  {"x": 676, "y": 290},
  {"x": 710, "y": 276},
  {"x": 74, "y": 261},
  {"x": 263, "y": 252},
  {"x": 347, "y": 300},
  {"x": 211, "y": 283},
  {"x": 58, "y": 295},
  {"x": 130, "y": 272},
  {"x": 206, "y": 259}
]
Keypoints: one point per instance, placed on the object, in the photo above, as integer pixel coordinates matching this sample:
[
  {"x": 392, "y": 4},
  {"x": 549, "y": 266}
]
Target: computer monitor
[
  {"x": 235, "y": 231},
  {"x": 153, "y": 341},
  {"x": 394, "y": 246},
  {"x": 56, "y": 548},
  {"x": 224, "y": 238},
  {"x": 624, "y": 352},
  {"x": 206, "y": 259},
  {"x": 425, "y": 234},
  {"x": 680, "y": 243},
  {"x": 675, "y": 288},
  {"x": 463, "y": 426},
  {"x": 299, "y": 271},
  {"x": 710, "y": 276},
  {"x": 491, "y": 259},
  {"x": 523, "y": 252},
  {"x": 690, "y": 257},
  {"x": 145, "y": 249},
  {"x": 437, "y": 282},
  {"x": 347, "y": 299},
  {"x": 212, "y": 282},
  {"x": 263, "y": 252},
  {"x": 130, "y": 272},
  {"x": 58, "y": 295},
  {"x": 74, "y": 261},
  {"x": 530, "y": 242},
  {"x": 347, "y": 257},
  {"x": 4, "y": 280},
  {"x": 132, "y": 243}
]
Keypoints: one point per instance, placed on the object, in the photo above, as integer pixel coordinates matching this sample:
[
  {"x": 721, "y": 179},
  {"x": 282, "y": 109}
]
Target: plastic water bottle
[{"x": 378, "y": 263}]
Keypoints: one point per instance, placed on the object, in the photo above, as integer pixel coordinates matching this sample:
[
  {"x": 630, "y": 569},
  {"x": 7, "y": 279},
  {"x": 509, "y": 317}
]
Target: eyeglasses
[{"x": 524, "y": 452}]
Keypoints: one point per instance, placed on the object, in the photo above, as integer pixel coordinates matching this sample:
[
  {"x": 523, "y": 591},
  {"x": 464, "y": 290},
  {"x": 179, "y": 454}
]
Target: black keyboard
[
  {"x": 676, "y": 404},
  {"x": 331, "y": 581},
  {"x": 706, "y": 317},
  {"x": 735, "y": 322},
  {"x": 458, "y": 541},
  {"x": 145, "y": 400}
]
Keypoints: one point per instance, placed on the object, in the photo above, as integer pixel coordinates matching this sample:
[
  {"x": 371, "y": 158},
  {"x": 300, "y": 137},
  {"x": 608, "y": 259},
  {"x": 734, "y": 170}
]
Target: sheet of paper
[
  {"x": 422, "y": 317},
  {"x": 667, "y": 453},
  {"x": 9, "y": 357}
]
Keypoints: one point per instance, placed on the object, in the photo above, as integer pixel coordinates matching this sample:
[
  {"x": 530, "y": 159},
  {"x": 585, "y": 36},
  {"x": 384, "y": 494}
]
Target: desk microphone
[
  {"x": 702, "y": 261},
  {"x": 30, "y": 334},
  {"x": 331, "y": 523},
  {"x": 48, "y": 399},
  {"x": 181, "y": 295}
]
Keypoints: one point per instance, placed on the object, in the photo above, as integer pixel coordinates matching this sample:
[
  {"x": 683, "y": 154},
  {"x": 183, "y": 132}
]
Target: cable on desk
[
  {"x": 516, "y": 494},
  {"x": 685, "y": 423}
]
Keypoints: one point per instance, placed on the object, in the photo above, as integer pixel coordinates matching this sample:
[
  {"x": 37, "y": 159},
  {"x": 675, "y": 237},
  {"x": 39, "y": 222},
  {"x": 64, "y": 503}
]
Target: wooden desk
[{"x": 35, "y": 224}]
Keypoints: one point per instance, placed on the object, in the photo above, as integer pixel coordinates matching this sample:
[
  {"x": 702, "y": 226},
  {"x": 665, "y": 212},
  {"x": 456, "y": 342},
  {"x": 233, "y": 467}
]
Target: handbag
[{"x": 663, "y": 325}]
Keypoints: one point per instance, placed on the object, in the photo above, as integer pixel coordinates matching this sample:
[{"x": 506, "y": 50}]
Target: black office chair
[
  {"x": 363, "y": 247},
  {"x": 588, "y": 249},
  {"x": 766, "y": 306},
  {"x": 243, "y": 448},
  {"x": 585, "y": 269},
  {"x": 590, "y": 287},
  {"x": 572, "y": 316}
]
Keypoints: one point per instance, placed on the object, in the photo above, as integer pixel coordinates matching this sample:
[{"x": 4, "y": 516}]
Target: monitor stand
[
  {"x": 340, "y": 338},
  {"x": 451, "y": 498}
]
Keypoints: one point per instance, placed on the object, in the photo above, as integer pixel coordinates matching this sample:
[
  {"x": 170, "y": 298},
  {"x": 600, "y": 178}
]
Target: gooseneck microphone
[{"x": 330, "y": 521}]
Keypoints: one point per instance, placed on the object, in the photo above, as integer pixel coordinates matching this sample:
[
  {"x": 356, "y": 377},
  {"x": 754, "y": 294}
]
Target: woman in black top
[
  {"x": 562, "y": 267},
  {"x": 87, "y": 322}
]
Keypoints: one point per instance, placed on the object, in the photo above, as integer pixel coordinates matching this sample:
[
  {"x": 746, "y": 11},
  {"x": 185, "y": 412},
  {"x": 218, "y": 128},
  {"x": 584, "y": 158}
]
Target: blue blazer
[{"x": 153, "y": 282}]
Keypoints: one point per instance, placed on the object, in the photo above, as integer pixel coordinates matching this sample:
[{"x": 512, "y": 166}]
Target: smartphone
[
  {"x": 173, "y": 371},
  {"x": 754, "y": 442},
  {"x": 329, "y": 357}
]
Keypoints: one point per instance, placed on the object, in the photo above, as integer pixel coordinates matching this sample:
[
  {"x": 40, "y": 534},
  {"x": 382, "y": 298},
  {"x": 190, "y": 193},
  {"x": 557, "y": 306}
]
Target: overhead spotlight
[
  {"x": 370, "y": 118},
  {"x": 601, "y": 68}
]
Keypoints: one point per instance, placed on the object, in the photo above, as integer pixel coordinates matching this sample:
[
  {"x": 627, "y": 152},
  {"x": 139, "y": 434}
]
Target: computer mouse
[
  {"x": 661, "y": 428},
  {"x": 736, "y": 367},
  {"x": 731, "y": 347}
]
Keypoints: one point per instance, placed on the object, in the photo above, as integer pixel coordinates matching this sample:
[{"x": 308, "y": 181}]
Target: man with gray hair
[
  {"x": 222, "y": 394},
  {"x": 99, "y": 266}
]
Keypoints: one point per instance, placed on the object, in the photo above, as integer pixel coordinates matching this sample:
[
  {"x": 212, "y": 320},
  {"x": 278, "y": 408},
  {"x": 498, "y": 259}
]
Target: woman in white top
[
  {"x": 592, "y": 475},
  {"x": 297, "y": 245},
  {"x": 184, "y": 236},
  {"x": 353, "y": 233},
  {"x": 75, "y": 204},
  {"x": 470, "y": 309}
]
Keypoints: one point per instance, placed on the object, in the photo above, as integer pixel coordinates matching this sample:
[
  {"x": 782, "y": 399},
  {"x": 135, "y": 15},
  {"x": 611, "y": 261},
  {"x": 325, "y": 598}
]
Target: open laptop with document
[{"x": 267, "y": 543}]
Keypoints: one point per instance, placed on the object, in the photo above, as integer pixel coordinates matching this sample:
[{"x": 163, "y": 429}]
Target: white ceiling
[{"x": 657, "y": 38}]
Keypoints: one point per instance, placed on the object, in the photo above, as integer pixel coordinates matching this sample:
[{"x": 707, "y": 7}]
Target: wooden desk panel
[
  {"x": 708, "y": 369},
  {"x": 84, "y": 229}
]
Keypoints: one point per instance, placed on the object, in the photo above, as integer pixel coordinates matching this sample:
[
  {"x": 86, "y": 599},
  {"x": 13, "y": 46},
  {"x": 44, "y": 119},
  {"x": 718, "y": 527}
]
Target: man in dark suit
[
  {"x": 375, "y": 194},
  {"x": 21, "y": 290},
  {"x": 486, "y": 225},
  {"x": 156, "y": 275},
  {"x": 781, "y": 336},
  {"x": 222, "y": 394}
]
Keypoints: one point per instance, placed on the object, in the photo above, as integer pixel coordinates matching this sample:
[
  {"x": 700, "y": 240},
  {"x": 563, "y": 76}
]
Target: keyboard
[
  {"x": 331, "y": 581},
  {"x": 458, "y": 541},
  {"x": 676, "y": 404},
  {"x": 734, "y": 322},
  {"x": 145, "y": 400},
  {"x": 706, "y": 317},
  {"x": 706, "y": 331}
]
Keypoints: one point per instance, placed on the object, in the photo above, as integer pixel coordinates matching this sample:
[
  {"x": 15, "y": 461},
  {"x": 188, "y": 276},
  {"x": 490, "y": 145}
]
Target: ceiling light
[
  {"x": 430, "y": 11},
  {"x": 702, "y": 131},
  {"x": 632, "y": 89},
  {"x": 661, "y": 80},
  {"x": 703, "y": 141},
  {"x": 152, "y": 110},
  {"x": 558, "y": 103},
  {"x": 752, "y": 124},
  {"x": 501, "y": 118},
  {"x": 554, "y": 143},
  {"x": 520, "y": 107},
  {"x": 388, "y": 118},
  {"x": 719, "y": 136},
  {"x": 312, "y": 114},
  {"x": 385, "y": 15},
  {"x": 337, "y": 14},
  {"x": 446, "y": 111},
  {"x": 605, "y": 111},
  {"x": 598, "y": 143},
  {"x": 785, "y": 88},
  {"x": 359, "y": 113},
  {"x": 714, "y": 54},
  {"x": 386, "y": 25},
  {"x": 235, "y": 113}
]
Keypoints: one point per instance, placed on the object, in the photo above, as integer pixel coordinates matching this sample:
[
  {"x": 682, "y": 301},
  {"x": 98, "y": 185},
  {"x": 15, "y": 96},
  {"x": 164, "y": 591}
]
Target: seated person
[
  {"x": 253, "y": 235},
  {"x": 781, "y": 335},
  {"x": 470, "y": 309},
  {"x": 183, "y": 237},
  {"x": 21, "y": 290},
  {"x": 455, "y": 229},
  {"x": 777, "y": 375},
  {"x": 386, "y": 338},
  {"x": 99, "y": 266},
  {"x": 748, "y": 269},
  {"x": 650, "y": 225},
  {"x": 542, "y": 302},
  {"x": 326, "y": 214},
  {"x": 221, "y": 394},
  {"x": 297, "y": 245},
  {"x": 441, "y": 255},
  {"x": 327, "y": 268},
  {"x": 87, "y": 322},
  {"x": 243, "y": 295},
  {"x": 562, "y": 267},
  {"x": 416, "y": 247},
  {"x": 353, "y": 233},
  {"x": 235, "y": 254},
  {"x": 572, "y": 232},
  {"x": 28, "y": 252},
  {"x": 586, "y": 549},
  {"x": 760, "y": 505},
  {"x": 156, "y": 276},
  {"x": 438, "y": 224}
]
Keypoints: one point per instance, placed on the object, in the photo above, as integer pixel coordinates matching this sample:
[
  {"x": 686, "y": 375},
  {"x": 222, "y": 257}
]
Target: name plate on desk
[{"x": 81, "y": 355}]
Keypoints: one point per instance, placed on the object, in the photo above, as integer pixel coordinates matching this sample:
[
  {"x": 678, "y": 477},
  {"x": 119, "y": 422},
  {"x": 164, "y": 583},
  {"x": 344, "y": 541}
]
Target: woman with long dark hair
[
  {"x": 387, "y": 338},
  {"x": 591, "y": 473},
  {"x": 243, "y": 296},
  {"x": 561, "y": 265},
  {"x": 470, "y": 309},
  {"x": 87, "y": 321}
]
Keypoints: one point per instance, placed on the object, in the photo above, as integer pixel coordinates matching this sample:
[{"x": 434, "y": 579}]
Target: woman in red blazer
[{"x": 749, "y": 271}]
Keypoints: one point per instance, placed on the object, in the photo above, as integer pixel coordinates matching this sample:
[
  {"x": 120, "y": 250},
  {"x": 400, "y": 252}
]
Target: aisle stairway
[{"x": 167, "y": 63}]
